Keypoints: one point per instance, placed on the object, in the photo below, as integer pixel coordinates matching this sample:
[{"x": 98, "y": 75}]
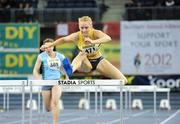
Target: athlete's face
[
  {"x": 84, "y": 27},
  {"x": 50, "y": 49}
]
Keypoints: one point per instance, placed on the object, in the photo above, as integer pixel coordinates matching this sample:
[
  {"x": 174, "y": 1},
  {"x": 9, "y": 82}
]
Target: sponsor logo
[
  {"x": 86, "y": 82},
  {"x": 76, "y": 82},
  {"x": 67, "y": 82},
  {"x": 169, "y": 83}
]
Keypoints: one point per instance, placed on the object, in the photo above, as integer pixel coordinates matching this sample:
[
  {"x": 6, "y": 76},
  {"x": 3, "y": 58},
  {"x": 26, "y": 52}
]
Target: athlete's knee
[
  {"x": 48, "y": 108},
  {"x": 56, "y": 88},
  {"x": 82, "y": 54},
  {"x": 121, "y": 77},
  {"x": 124, "y": 79},
  {"x": 55, "y": 102}
]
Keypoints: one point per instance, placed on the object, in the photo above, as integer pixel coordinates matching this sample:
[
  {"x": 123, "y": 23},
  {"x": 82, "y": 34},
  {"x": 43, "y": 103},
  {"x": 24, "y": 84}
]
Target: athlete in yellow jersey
[{"x": 88, "y": 41}]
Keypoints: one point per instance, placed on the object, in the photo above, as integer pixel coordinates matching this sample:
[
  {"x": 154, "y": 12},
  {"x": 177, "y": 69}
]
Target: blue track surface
[{"x": 89, "y": 117}]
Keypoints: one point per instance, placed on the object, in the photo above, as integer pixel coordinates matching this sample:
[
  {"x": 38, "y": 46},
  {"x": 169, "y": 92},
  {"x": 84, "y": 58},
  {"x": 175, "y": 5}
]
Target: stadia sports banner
[{"x": 150, "y": 47}]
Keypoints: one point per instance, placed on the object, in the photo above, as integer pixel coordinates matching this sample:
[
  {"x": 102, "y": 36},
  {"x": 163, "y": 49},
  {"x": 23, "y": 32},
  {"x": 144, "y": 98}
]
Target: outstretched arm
[{"x": 67, "y": 39}]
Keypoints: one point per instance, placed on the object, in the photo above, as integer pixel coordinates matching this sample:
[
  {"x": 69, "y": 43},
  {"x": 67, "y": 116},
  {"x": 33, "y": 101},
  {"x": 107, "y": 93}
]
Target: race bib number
[
  {"x": 91, "y": 49},
  {"x": 54, "y": 63}
]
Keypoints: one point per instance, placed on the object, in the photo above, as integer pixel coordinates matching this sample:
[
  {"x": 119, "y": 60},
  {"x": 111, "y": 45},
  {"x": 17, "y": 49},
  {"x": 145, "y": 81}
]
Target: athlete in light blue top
[
  {"x": 51, "y": 66},
  {"x": 54, "y": 64}
]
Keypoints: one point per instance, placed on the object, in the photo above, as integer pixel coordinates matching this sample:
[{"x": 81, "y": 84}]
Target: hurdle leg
[
  {"x": 39, "y": 100},
  {"x": 30, "y": 112},
  {"x": 121, "y": 103},
  {"x": 154, "y": 93},
  {"x": 39, "y": 104},
  {"x": 95, "y": 100},
  {"x": 7, "y": 107},
  {"x": 126, "y": 100},
  {"x": 168, "y": 96},
  {"x": 89, "y": 99},
  {"x": 23, "y": 102},
  {"x": 101, "y": 101},
  {"x": 4, "y": 100}
]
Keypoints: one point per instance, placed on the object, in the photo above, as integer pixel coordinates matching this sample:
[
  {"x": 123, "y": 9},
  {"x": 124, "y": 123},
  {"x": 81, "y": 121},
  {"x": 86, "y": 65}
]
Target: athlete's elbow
[
  {"x": 35, "y": 73},
  {"x": 109, "y": 38}
]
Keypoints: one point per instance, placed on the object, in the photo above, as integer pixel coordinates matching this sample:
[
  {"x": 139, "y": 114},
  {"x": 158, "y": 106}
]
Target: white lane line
[
  {"x": 170, "y": 117},
  {"x": 66, "y": 114},
  {"x": 26, "y": 120},
  {"x": 74, "y": 119},
  {"x": 140, "y": 113},
  {"x": 17, "y": 122},
  {"x": 62, "y": 122},
  {"x": 117, "y": 120},
  {"x": 105, "y": 113},
  {"x": 134, "y": 115}
]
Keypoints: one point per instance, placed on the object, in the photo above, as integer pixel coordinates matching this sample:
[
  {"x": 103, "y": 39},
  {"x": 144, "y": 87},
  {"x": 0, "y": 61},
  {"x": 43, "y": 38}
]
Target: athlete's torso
[
  {"x": 51, "y": 66},
  {"x": 92, "y": 50}
]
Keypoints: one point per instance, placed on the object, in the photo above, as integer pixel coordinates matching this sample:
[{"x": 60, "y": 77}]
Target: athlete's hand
[
  {"x": 45, "y": 46},
  {"x": 88, "y": 40},
  {"x": 42, "y": 48}
]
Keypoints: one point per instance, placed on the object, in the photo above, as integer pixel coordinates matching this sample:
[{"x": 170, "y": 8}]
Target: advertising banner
[
  {"x": 19, "y": 35},
  {"x": 150, "y": 47},
  {"x": 17, "y": 62}
]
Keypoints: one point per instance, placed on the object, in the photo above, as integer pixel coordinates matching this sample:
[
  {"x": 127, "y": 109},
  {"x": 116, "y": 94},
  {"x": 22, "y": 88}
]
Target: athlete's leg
[
  {"x": 85, "y": 66},
  {"x": 56, "y": 94},
  {"x": 109, "y": 70},
  {"x": 77, "y": 61},
  {"x": 46, "y": 94}
]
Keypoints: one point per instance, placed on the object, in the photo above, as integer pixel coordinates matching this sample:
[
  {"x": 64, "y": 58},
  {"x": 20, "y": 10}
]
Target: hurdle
[
  {"x": 152, "y": 88},
  {"x": 96, "y": 84},
  {"x": 8, "y": 83}
]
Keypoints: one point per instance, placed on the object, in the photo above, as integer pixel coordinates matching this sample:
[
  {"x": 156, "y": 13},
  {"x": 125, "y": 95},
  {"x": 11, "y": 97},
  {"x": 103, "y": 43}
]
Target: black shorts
[
  {"x": 95, "y": 62},
  {"x": 44, "y": 88}
]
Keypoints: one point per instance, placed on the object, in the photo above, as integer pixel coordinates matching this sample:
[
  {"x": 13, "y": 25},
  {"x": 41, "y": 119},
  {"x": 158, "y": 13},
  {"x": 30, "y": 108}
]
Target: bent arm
[
  {"x": 36, "y": 70},
  {"x": 101, "y": 37}
]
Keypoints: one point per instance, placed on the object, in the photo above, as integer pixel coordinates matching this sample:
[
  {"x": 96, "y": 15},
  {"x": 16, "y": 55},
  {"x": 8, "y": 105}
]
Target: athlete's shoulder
[
  {"x": 97, "y": 31},
  {"x": 60, "y": 55},
  {"x": 42, "y": 54},
  {"x": 75, "y": 35}
]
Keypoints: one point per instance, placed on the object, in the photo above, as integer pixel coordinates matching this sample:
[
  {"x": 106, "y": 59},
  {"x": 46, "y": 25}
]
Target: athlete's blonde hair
[{"x": 85, "y": 19}]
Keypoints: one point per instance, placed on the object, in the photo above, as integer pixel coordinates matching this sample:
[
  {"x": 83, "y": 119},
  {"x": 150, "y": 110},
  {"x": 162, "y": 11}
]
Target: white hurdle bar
[
  {"x": 75, "y": 82},
  {"x": 95, "y": 83},
  {"x": 9, "y": 83},
  {"x": 152, "y": 88}
]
